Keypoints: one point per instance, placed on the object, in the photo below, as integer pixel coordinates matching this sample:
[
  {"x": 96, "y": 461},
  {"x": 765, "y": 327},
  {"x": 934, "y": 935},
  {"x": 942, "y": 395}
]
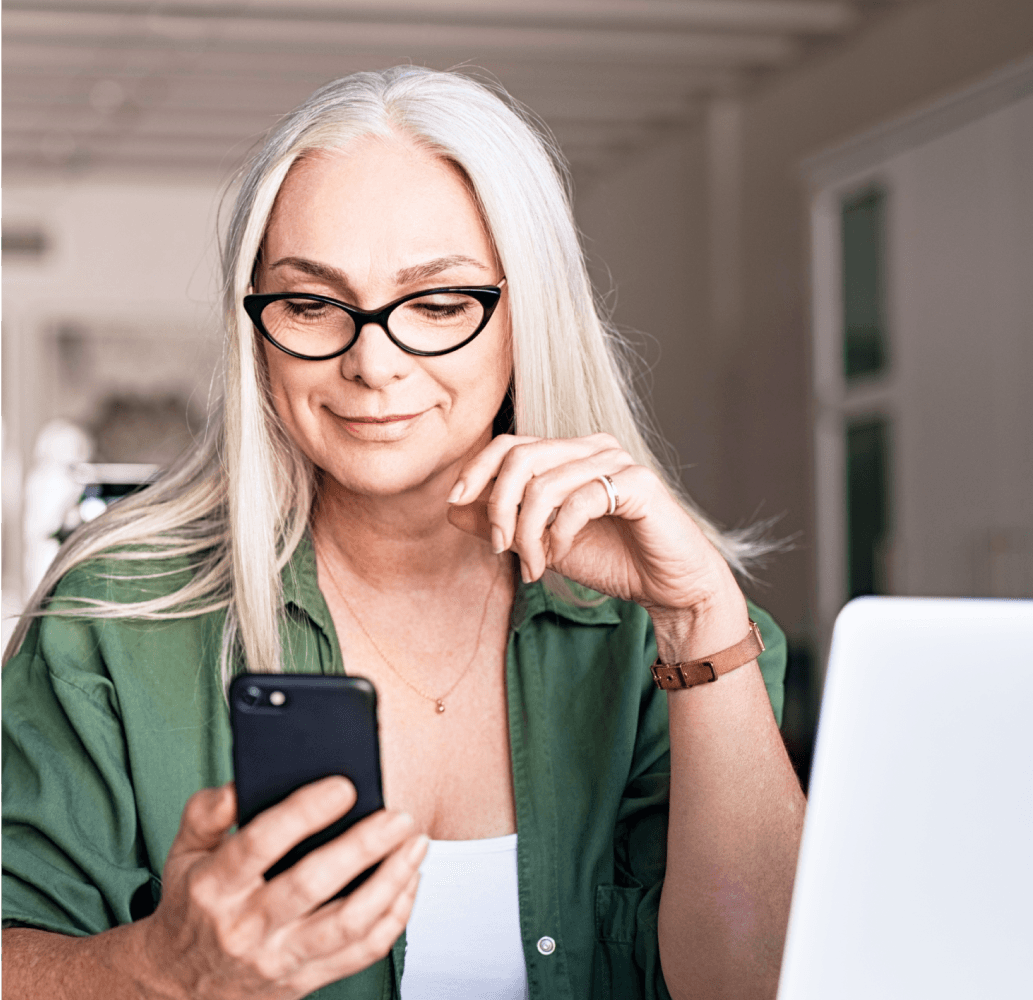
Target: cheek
[
  {"x": 481, "y": 387},
  {"x": 275, "y": 377},
  {"x": 288, "y": 385}
]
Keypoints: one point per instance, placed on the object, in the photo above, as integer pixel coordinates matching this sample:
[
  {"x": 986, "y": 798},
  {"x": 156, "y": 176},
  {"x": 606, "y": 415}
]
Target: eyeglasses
[{"x": 429, "y": 323}]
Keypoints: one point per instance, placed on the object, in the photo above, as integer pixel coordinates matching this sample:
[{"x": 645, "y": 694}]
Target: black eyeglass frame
[{"x": 488, "y": 296}]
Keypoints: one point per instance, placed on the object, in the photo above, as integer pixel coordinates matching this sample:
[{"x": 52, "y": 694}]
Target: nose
[{"x": 373, "y": 359}]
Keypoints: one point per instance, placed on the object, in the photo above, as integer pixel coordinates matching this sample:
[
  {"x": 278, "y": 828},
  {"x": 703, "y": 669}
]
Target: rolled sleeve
[
  {"x": 72, "y": 856},
  {"x": 627, "y": 913}
]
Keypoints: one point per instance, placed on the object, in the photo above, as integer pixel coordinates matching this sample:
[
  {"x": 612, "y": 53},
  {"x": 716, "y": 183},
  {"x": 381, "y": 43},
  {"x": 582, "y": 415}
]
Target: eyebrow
[{"x": 406, "y": 276}]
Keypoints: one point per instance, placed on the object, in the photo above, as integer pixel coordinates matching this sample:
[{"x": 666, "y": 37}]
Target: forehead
[{"x": 378, "y": 199}]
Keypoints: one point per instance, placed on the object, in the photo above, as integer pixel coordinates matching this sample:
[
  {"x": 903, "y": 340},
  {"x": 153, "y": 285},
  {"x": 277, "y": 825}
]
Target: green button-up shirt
[{"x": 110, "y": 725}]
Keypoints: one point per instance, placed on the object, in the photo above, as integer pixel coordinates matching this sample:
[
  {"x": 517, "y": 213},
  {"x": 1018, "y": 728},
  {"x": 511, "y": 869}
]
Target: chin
[{"x": 383, "y": 472}]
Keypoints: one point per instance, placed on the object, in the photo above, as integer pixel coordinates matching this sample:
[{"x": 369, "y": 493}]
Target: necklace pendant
[{"x": 441, "y": 706}]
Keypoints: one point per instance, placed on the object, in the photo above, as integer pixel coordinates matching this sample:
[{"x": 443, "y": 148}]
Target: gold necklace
[{"x": 439, "y": 700}]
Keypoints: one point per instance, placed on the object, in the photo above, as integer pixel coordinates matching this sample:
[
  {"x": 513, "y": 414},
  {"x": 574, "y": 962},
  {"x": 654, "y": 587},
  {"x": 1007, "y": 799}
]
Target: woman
[{"x": 363, "y": 497}]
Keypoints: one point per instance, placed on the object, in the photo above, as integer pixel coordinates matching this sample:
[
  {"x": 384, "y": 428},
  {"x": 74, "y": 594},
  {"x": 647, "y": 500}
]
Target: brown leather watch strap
[{"x": 674, "y": 676}]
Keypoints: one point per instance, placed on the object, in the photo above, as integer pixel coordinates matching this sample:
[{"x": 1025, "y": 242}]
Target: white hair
[{"x": 238, "y": 505}]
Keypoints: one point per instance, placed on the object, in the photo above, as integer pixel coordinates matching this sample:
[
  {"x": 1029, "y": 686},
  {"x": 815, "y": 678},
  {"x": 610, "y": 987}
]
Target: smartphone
[{"x": 293, "y": 729}]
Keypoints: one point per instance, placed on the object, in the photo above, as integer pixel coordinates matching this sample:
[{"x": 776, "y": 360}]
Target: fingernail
[
  {"x": 400, "y": 821},
  {"x": 457, "y": 492},
  {"x": 419, "y": 848},
  {"x": 525, "y": 573},
  {"x": 498, "y": 539}
]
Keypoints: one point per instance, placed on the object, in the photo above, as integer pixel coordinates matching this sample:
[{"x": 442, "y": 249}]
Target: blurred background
[{"x": 814, "y": 219}]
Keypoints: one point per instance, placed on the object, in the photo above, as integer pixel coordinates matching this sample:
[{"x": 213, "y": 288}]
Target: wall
[
  {"x": 130, "y": 260},
  {"x": 909, "y": 59},
  {"x": 644, "y": 229},
  {"x": 745, "y": 414},
  {"x": 965, "y": 318},
  {"x": 959, "y": 318},
  {"x": 122, "y": 301}
]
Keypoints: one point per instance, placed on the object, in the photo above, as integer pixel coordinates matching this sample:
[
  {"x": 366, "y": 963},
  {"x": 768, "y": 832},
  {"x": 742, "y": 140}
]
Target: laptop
[{"x": 916, "y": 869}]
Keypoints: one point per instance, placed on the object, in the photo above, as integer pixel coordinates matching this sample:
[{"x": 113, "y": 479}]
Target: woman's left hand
[{"x": 543, "y": 499}]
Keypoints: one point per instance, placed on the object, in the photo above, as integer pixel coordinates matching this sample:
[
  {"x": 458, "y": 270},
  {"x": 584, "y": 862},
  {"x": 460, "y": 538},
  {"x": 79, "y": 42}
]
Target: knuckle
[
  {"x": 310, "y": 884},
  {"x": 349, "y": 924},
  {"x": 200, "y": 890},
  {"x": 642, "y": 478},
  {"x": 271, "y": 965},
  {"x": 196, "y": 811},
  {"x": 379, "y": 940},
  {"x": 232, "y": 940},
  {"x": 521, "y": 455},
  {"x": 193, "y": 809},
  {"x": 578, "y": 503},
  {"x": 251, "y": 839},
  {"x": 368, "y": 842},
  {"x": 559, "y": 536},
  {"x": 537, "y": 487}
]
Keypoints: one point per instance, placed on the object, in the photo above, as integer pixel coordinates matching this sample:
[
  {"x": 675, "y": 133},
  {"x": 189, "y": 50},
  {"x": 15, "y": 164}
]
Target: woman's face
[{"x": 367, "y": 226}]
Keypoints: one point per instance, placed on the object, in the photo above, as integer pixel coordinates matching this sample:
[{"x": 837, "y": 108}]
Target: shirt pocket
[{"x": 615, "y": 972}]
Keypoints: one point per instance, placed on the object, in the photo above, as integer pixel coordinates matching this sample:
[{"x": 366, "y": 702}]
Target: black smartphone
[{"x": 293, "y": 729}]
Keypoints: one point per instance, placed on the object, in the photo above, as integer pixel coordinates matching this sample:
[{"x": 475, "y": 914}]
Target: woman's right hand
[{"x": 222, "y": 931}]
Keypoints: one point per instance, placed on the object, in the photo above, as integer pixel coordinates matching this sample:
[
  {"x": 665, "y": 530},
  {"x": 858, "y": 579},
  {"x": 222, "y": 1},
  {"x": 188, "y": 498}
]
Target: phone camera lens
[{"x": 251, "y": 695}]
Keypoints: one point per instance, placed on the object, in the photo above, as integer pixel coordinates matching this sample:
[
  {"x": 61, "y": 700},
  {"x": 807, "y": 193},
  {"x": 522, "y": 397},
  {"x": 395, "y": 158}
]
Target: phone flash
[{"x": 277, "y": 698}]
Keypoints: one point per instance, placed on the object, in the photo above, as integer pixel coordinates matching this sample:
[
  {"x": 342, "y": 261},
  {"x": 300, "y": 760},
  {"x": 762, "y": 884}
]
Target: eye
[
  {"x": 442, "y": 306},
  {"x": 442, "y": 309},
  {"x": 304, "y": 308}
]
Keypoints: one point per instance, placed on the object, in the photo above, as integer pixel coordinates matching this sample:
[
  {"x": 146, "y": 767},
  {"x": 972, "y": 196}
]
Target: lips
[
  {"x": 379, "y": 429},
  {"x": 393, "y": 418}
]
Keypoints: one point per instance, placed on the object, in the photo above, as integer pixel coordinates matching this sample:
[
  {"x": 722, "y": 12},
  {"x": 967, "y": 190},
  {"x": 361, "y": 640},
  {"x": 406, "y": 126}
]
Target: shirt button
[{"x": 546, "y": 945}]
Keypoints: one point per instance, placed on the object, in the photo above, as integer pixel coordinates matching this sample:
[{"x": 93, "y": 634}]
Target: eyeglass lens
[{"x": 433, "y": 322}]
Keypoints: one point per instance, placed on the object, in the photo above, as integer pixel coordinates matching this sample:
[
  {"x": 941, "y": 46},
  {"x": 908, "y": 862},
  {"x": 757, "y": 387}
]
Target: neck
[{"x": 396, "y": 543}]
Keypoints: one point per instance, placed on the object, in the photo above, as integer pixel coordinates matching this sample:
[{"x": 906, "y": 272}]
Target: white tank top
[{"x": 463, "y": 939}]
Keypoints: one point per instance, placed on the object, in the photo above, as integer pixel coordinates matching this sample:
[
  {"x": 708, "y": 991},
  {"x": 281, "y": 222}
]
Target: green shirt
[{"x": 110, "y": 725}]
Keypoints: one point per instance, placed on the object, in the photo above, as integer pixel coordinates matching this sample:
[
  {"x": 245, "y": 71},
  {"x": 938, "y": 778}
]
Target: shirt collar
[
  {"x": 301, "y": 589},
  {"x": 301, "y": 585},
  {"x": 533, "y": 599}
]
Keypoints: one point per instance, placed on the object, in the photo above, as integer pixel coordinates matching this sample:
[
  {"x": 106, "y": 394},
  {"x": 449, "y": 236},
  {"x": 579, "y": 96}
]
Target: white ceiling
[{"x": 184, "y": 87}]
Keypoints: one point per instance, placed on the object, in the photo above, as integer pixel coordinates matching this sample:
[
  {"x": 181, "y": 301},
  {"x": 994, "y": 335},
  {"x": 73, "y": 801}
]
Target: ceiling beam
[
  {"x": 55, "y": 64},
  {"x": 27, "y": 152},
  {"x": 781, "y": 16},
  {"x": 248, "y": 104},
  {"x": 405, "y": 40}
]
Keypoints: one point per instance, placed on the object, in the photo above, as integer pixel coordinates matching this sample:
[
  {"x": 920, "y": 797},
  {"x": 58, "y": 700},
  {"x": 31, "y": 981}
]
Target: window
[
  {"x": 867, "y": 501},
  {"x": 864, "y": 283}
]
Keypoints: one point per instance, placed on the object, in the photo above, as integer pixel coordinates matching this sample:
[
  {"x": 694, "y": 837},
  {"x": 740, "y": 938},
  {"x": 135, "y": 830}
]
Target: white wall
[
  {"x": 959, "y": 255},
  {"x": 644, "y": 227},
  {"x": 736, "y": 399},
  {"x": 962, "y": 325}
]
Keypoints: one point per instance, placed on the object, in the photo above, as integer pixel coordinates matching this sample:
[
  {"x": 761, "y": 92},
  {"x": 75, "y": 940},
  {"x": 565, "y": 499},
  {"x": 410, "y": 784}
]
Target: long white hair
[{"x": 238, "y": 505}]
